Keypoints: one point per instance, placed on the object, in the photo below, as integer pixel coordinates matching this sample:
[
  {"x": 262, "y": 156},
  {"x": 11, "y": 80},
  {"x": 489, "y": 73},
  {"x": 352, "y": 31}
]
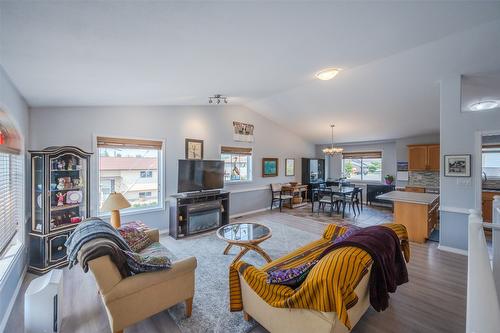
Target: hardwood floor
[{"x": 433, "y": 300}]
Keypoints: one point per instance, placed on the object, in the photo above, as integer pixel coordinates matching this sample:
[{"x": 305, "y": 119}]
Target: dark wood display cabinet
[{"x": 59, "y": 201}]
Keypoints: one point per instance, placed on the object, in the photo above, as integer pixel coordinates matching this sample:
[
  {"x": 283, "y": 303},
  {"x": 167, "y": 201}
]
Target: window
[
  {"x": 237, "y": 164},
  {"x": 144, "y": 195},
  {"x": 133, "y": 168},
  {"x": 147, "y": 174},
  {"x": 491, "y": 162},
  {"x": 11, "y": 185},
  {"x": 366, "y": 166}
]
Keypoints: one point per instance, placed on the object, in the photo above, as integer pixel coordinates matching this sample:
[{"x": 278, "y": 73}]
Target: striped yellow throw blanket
[{"x": 330, "y": 284}]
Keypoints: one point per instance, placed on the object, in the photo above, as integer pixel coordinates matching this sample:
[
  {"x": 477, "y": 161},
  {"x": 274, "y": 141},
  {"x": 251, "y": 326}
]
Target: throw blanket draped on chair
[
  {"x": 330, "y": 284},
  {"x": 94, "y": 238}
]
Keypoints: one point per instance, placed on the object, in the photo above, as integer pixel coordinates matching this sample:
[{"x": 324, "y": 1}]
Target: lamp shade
[{"x": 115, "y": 201}]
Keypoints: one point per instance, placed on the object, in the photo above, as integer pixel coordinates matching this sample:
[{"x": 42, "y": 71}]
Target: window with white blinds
[{"x": 11, "y": 196}]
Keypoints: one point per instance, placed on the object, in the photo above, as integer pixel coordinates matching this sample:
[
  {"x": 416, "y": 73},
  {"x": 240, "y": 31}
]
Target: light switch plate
[{"x": 464, "y": 181}]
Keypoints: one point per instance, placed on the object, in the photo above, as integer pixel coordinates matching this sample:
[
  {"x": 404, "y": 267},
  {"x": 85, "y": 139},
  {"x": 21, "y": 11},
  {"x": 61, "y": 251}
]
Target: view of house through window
[
  {"x": 491, "y": 163},
  {"x": 362, "y": 166},
  {"x": 132, "y": 170},
  {"x": 237, "y": 164}
]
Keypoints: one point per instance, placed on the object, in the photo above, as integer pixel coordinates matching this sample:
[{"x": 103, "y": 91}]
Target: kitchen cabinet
[
  {"x": 423, "y": 157},
  {"x": 487, "y": 203}
]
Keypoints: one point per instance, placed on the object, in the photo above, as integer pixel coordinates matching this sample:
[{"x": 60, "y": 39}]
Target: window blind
[
  {"x": 236, "y": 150},
  {"x": 368, "y": 154},
  {"x": 11, "y": 196},
  {"x": 108, "y": 142}
]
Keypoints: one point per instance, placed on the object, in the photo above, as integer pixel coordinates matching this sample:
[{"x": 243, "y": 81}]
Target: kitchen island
[{"x": 417, "y": 211}]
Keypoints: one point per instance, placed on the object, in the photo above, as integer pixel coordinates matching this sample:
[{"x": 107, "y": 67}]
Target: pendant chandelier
[{"x": 333, "y": 151}]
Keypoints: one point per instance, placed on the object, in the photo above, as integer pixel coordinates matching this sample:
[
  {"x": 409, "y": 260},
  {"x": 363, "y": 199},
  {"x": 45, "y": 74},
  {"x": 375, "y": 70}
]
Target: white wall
[
  {"x": 15, "y": 106},
  {"x": 460, "y": 134},
  {"x": 213, "y": 124}
]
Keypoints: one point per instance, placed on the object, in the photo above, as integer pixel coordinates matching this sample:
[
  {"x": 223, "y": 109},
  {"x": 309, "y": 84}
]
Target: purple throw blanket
[{"x": 388, "y": 268}]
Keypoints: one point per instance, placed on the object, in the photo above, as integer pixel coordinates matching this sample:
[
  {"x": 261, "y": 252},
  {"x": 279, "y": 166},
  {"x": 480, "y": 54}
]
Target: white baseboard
[
  {"x": 250, "y": 212},
  {"x": 12, "y": 302},
  {"x": 452, "y": 250}
]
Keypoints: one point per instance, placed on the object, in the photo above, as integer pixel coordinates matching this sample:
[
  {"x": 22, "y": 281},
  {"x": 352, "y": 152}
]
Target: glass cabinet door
[
  {"x": 38, "y": 195},
  {"x": 68, "y": 197}
]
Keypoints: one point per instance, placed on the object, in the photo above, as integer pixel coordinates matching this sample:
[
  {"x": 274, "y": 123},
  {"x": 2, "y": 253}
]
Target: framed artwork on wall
[
  {"x": 289, "y": 167},
  {"x": 269, "y": 167},
  {"x": 194, "y": 149},
  {"x": 457, "y": 165}
]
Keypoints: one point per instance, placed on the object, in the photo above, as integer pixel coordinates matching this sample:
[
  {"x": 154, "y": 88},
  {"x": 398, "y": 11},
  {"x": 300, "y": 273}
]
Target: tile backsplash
[{"x": 423, "y": 178}]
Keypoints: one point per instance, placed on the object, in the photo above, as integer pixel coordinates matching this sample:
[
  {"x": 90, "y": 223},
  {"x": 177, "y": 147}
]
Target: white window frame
[
  {"x": 161, "y": 179},
  {"x": 236, "y": 182},
  {"x": 369, "y": 180},
  {"x": 15, "y": 248}
]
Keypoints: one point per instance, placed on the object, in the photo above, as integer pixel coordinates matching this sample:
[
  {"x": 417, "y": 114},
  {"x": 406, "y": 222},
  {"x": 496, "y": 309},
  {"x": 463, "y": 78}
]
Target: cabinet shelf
[
  {"x": 65, "y": 207},
  {"x": 68, "y": 189}
]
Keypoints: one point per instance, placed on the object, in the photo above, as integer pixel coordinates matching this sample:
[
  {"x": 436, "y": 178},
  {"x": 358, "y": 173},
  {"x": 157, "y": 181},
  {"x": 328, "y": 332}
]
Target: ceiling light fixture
[
  {"x": 327, "y": 73},
  {"x": 483, "y": 105},
  {"x": 332, "y": 151},
  {"x": 217, "y": 98}
]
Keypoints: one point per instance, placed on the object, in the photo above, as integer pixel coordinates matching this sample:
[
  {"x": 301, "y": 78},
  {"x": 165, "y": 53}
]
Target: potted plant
[{"x": 389, "y": 179}]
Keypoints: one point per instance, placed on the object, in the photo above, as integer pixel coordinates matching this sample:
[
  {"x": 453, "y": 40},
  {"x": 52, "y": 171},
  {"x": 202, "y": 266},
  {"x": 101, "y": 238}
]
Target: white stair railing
[
  {"x": 483, "y": 309},
  {"x": 496, "y": 242}
]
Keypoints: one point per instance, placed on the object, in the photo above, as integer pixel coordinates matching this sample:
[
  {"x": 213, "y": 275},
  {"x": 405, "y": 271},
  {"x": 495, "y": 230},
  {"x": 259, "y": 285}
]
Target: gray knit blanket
[{"x": 95, "y": 237}]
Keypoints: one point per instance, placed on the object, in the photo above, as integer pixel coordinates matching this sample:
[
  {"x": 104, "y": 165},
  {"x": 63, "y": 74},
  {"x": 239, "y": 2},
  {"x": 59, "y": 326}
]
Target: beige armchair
[{"x": 132, "y": 299}]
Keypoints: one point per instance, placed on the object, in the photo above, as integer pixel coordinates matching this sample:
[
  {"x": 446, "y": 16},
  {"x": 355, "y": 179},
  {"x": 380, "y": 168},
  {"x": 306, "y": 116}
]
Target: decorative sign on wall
[
  {"x": 243, "y": 132},
  {"x": 289, "y": 167}
]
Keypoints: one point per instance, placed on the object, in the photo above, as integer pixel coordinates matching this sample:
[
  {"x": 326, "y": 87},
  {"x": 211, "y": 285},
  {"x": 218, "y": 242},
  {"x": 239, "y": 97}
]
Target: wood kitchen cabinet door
[
  {"x": 417, "y": 158},
  {"x": 487, "y": 206},
  {"x": 433, "y": 159}
]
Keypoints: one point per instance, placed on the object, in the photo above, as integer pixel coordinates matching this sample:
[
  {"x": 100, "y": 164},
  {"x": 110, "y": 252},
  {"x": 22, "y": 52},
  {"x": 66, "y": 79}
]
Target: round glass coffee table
[{"x": 248, "y": 236}]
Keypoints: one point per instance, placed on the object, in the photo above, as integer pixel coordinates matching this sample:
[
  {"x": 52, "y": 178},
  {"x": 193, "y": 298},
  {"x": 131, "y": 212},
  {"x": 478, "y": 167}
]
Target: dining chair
[
  {"x": 278, "y": 195},
  {"x": 327, "y": 197},
  {"x": 354, "y": 200}
]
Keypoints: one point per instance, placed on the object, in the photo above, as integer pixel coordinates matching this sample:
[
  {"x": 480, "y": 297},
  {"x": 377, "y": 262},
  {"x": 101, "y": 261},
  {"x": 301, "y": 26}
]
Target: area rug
[{"x": 211, "y": 301}]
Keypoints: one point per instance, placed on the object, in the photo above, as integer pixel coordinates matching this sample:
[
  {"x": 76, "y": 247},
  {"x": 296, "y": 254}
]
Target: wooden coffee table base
[{"x": 245, "y": 247}]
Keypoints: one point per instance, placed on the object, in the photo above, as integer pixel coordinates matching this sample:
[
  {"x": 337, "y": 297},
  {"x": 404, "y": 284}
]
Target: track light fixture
[{"x": 217, "y": 98}]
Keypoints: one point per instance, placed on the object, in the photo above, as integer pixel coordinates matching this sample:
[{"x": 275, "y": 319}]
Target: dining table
[{"x": 342, "y": 191}]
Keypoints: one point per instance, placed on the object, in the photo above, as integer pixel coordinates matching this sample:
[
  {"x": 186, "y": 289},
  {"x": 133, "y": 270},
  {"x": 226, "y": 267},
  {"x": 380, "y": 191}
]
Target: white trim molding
[
  {"x": 248, "y": 189},
  {"x": 452, "y": 250},
  {"x": 249, "y": 212},
  {"x": 457, "y": 210},
  {"x": 10, "y": 306}
]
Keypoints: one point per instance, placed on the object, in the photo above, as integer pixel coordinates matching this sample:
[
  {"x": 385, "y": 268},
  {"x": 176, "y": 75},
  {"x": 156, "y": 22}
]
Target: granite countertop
[
  {"x": 491, "y": 189},
  {"x": 411, "y": 197}
]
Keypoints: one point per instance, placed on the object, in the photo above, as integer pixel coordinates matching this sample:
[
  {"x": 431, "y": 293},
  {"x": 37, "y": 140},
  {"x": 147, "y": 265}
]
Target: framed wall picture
[
  {"x": 194, "y": 149},
  {"x": 269, "y": 167},
  {"x": 457, "y": 165},
  {"x": 289, "y": 167}
]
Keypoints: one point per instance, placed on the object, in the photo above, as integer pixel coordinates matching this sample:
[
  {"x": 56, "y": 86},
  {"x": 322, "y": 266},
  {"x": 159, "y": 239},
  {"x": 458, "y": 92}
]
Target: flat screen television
[{"x": 199, "y": 175}]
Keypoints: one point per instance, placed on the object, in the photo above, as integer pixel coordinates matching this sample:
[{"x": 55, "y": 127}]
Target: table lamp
[{"x": 113, "y": 204}]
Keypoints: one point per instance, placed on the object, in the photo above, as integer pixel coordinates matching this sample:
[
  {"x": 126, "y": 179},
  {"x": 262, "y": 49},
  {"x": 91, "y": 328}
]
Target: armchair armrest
[
  {"x": 142, "y": 281},
  {"x": 154, "y": 234}
]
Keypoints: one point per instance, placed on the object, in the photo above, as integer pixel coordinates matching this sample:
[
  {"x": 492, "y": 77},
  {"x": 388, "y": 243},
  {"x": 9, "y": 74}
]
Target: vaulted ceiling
[{"x": 261, "y": 54}]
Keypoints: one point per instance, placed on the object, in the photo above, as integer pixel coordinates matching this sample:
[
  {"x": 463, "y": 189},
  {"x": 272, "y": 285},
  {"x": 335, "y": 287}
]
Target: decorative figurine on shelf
[
  {"x": 76, "y": 182},
  {"x": 70, "y": 164},
  {"x": 60, "y": 199},
  {"x": 62, "y": 184},
  {"x": 60, "y": 165}
]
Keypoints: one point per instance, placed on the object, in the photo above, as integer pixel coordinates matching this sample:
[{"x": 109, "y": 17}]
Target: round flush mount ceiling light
[
  {"x": 483, "y": 105},
  {"x": 327, "y": 73}
]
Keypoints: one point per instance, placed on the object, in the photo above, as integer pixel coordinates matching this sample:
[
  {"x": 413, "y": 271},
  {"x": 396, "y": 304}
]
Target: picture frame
[
  {"x": 194, "y": 149},
  {"x": 270, "y": 166},
  {"x": 289, "y": 167},
  {"x": 457, "y": 165}
]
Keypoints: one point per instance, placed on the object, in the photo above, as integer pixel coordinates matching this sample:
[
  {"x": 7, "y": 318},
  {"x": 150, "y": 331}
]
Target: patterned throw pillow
[
  {"x": 154, "y": 258},
  {"x": 291, "y": 277},
  {"x": 138, "y": 240}
]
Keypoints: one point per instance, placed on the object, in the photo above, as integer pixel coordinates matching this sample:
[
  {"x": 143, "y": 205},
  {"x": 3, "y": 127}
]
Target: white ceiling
[{"x": 261, "y": 54}]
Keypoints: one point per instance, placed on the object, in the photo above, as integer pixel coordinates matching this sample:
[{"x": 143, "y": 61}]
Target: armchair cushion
[{"x": 140, "y": 282}]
